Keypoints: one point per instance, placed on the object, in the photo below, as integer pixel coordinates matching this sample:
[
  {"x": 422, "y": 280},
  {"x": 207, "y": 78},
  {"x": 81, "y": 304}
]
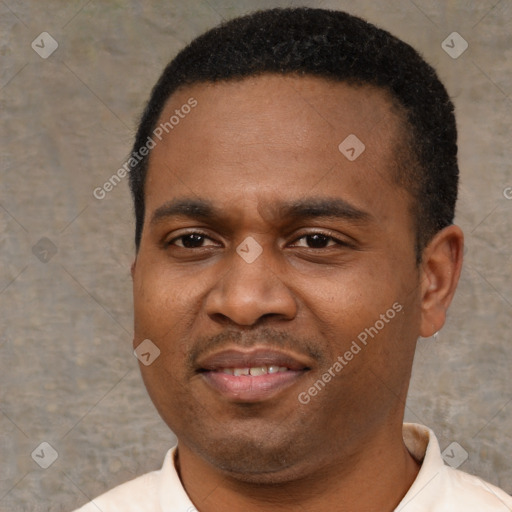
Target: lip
[
  {"x": 237, "y": 358},
  {"x": 245, "y": 388}
]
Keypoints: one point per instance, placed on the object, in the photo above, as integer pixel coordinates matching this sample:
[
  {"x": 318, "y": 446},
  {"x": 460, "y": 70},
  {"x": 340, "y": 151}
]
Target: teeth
[
  {"x": 259, "y": 370},
  {"x": 255, "y": 371}
]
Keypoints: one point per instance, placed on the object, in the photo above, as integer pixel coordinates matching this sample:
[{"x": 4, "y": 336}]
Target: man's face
[{"x": 303, "y": 250}]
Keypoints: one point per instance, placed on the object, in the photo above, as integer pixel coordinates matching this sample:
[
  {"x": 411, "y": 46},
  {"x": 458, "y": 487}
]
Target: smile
[
  {"x": 255, "y": 371},
  {"x": 252, "y": 376}
]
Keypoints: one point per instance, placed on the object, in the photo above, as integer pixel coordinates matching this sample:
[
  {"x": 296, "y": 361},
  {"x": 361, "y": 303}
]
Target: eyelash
[{"x": 327, "y": 235}]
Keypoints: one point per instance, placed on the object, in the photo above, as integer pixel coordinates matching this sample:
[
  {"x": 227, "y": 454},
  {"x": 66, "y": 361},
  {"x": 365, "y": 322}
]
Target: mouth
[
  {"x": 255, "y": 371},
  {"x": 252, "y": 376}
]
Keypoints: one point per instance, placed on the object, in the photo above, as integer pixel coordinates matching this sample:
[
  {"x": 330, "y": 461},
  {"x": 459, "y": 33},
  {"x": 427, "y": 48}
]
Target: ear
[{"x": 440, "y": 272}]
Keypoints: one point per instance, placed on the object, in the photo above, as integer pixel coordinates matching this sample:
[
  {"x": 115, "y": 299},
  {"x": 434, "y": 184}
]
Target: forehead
[
  {"x": 302, "y": 105},
  {"x": 274, "y": 135}
]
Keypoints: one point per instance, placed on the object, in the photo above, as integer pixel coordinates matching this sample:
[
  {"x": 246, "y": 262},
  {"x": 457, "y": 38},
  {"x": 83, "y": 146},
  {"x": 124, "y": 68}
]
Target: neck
[{"x": 373, "y": 478}]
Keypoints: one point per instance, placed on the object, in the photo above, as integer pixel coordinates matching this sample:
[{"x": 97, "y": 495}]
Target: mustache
[{"x": 262, "y": 336}]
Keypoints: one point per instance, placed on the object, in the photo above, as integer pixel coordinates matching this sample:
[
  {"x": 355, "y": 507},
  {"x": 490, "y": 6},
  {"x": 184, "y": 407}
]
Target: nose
[{"x": 247, "y": 292}]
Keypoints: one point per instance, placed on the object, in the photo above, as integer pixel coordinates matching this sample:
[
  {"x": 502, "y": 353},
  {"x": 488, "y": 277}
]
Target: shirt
[{"x": 437, "y": 487}]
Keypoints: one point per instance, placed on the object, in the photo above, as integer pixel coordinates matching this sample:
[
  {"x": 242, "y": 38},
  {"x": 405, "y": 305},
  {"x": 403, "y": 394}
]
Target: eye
[
  {"x": 189, "y": 240},
  {"x": 317, "y": 241}
]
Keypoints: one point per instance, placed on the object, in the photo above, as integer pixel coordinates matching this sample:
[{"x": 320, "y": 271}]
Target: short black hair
[{"x": 340, "y": 47}]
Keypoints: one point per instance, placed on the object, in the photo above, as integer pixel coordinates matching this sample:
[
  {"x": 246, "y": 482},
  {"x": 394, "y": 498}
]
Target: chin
[{"x": 265, "y": 459}]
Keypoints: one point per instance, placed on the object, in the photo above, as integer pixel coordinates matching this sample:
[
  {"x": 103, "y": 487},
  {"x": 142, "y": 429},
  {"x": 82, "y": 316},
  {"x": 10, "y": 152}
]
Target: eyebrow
[
  {"x": 325, "y": 208},
  {"x": 200, "y": 209},
  {"x": 311, "y": 208}
]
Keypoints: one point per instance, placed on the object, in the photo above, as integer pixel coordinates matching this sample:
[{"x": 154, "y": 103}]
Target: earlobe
[{"x": 441, "y": 267}]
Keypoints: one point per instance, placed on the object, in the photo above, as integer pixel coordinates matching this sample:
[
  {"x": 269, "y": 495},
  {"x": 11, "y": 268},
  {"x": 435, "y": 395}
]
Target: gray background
[{"x": 68, "y": 375}]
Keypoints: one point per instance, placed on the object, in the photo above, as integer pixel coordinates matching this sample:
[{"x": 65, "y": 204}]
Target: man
[{"x": 294, "y": 179}]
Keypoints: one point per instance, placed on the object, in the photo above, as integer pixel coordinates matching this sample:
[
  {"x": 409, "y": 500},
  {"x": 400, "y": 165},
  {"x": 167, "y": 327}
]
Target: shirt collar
[
  {"x": 172, "y": 495},
  {"x": 419, "y": 440},
  {"x": 424, "y": 447}
]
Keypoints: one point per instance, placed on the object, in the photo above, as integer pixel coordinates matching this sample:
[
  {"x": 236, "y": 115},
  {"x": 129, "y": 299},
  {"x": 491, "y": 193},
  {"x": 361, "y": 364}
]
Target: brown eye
[
  {"x": 189, "y": 241},
  {"x": 316, "y": 241}
]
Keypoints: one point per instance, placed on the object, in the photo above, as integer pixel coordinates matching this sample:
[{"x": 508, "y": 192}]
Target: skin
[{"x": 248, "y": 147}]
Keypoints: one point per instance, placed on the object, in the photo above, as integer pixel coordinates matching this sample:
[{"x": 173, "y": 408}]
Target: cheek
[
  {"x": 360, "y": 312},
  {"x": 351, "y": 295},
  {"x": 160, "y": 302},
  {"x": 160, "y": 316},
  {"x": 166, "y": 311}
]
